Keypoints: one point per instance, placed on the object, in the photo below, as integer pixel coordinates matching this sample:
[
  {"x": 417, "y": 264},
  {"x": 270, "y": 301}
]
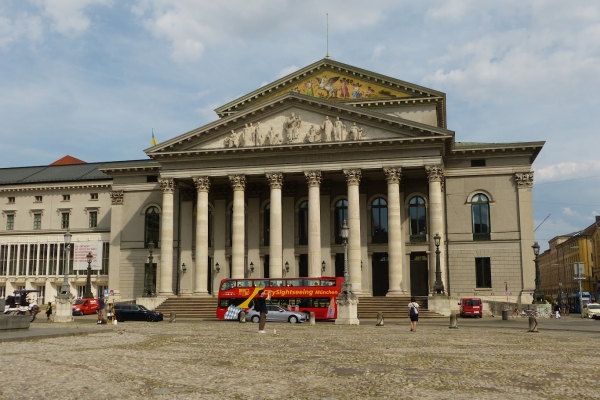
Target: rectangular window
[
  {"x": 64, "y": 221},
  {"x": 12, "y": 260},
  {"x": 10, "y": 222},
  {"x": 101, "y": 290},
  {"x": 38, "y": 199},
  {"x": 42, "y": 268},
  {"x": 3, "y": 258},
  {"x": 52, "y": 259},
  {"x": 80, "y": 291},
  {"x": 478, "y": 163},
  {"x": 93, "y": 196},
  {"x": 93, "y": 219},
  {"x": 22, "y": 259},
  {"x": 3, "y": 291},
  {"x": 41, "y": 294},
  {"x": 11, "y": 200},
  {"x": 66, "y": 197},
  {"x": 32, "y": 259},
  {"x": 483, "y": 273},
  {"x": 37, "y": 221},
  {"x": 105, "y": 254}
]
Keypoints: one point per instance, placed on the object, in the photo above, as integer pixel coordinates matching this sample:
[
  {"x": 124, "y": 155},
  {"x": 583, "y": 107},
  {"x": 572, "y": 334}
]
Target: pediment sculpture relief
[{"x": 294, "y": 131}]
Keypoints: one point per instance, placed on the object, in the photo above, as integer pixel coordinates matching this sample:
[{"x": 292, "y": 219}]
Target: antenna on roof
[{"x": 327, "y": 15}]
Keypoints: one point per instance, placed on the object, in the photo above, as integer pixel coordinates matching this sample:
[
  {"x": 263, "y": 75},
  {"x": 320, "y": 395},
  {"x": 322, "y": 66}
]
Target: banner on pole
[{"x": 80, "y": 253}]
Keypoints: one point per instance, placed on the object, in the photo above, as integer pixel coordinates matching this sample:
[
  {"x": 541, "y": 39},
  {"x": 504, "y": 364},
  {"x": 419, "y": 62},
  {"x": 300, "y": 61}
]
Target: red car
[
  {"x": 85, "y": 306},
  {"x": 471, "y": 307}
]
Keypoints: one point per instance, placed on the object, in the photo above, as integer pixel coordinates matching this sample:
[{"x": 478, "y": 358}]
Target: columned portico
[
  {"x": 238, "y": 183},
  {"x": 353, "y": 181},
  {"x": 314, "y": 222},
  {"x": 202, "y": 187},
  {"x": 393, "y": 175},
  {"x": 435, "y": 175},
  {"x": 166, "y": 239},
  {"x": 275, "y": 229}
]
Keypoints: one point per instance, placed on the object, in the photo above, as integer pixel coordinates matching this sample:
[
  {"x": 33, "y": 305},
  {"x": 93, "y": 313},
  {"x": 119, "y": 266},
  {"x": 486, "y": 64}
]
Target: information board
[{"x": 80, "y": 253}]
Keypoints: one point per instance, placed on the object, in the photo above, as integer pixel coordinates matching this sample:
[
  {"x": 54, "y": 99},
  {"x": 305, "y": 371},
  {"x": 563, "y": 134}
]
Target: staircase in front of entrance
[{"x": 368, "y": 307}]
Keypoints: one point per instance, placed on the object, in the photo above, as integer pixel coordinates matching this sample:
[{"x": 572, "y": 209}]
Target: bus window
[
  {"x": 329, "y": 282},
  {"x": 243, "y": 283},
  {"x": 311, "y": 282},
  {"x": 294, "y": 282},
  {"x": 276, "y": 282},
  {"x": 228, "y": 285},
  {"x": 261, "y": 283}
]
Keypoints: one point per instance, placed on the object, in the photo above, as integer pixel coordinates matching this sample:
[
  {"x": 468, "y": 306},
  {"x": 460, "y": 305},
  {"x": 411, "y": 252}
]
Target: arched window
[
  {"x": 341, "y": 215},
  {"x": 480, "y": 207},
  {"x": 303, "y": 223},
  {"x": 151, "y": 226},
  {"x": 379, "y": 221},
  {"x": 267, "y": 224},
  {"x": 418, "y": 219}
]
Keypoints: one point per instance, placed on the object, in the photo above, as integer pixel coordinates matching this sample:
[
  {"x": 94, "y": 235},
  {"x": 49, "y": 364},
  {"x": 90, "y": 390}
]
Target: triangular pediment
[
  {"x": 333, "y": 81},
  {"x": 293, "y": 119}
]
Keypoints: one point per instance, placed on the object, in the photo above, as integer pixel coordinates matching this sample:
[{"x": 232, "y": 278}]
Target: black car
[{"x": 135, "y": 312}]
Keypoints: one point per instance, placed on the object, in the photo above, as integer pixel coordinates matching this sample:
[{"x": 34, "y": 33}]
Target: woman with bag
[{"x": 413, "y": 313}]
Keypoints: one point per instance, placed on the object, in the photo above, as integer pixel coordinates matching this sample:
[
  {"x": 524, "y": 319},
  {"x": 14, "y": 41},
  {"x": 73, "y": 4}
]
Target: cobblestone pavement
[{"x": 229, "y": 360}]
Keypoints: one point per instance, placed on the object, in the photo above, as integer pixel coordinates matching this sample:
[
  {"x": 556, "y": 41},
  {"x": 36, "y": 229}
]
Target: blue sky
[{"x": 92, "y": 78}]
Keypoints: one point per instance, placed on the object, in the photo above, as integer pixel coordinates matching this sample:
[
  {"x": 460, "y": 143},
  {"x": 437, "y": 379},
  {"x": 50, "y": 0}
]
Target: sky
[{"x": 94, "y": 78}]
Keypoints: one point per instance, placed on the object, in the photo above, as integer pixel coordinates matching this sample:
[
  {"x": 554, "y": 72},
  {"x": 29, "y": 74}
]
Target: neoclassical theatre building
[{"x": 263, "y": 192}]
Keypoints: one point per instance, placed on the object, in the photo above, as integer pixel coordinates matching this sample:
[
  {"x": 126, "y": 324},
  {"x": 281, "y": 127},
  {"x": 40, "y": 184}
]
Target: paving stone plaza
[{"x": 487, "y": 358}]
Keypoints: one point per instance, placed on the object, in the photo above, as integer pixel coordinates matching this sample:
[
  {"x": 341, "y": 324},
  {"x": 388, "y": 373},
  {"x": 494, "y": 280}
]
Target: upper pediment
[
  {"x": 293, "y": 119},
  {"x": 334, "y": 81}
]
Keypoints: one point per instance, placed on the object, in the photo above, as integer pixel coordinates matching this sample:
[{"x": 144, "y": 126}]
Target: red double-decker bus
[{"x": 307, "y": 295}]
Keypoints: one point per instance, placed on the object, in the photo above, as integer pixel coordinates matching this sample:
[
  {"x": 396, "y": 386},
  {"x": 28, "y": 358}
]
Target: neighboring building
[{"x": 270, "y": 183}]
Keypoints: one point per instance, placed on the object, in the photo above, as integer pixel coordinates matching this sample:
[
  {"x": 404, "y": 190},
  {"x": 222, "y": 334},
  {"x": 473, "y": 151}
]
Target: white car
[{"x": 590, "y": 309}]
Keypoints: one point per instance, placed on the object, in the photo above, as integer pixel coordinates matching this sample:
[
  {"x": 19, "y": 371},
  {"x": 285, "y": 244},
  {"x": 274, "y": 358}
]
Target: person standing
[
  {"x": 49, "y": 313},
  {"x": 101, "y": 309},
  {"x": 413, "y": 313},
  {"x": 262, "y": 309}
]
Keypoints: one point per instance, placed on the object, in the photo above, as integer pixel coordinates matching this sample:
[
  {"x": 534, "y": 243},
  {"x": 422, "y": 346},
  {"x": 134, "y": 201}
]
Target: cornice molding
[{"x": 61, "y": 186}]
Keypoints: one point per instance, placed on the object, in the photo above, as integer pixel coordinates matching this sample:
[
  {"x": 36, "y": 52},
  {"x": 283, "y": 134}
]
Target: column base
[
  {"x": 347, "y": 312},
  {"x": 201, "y": 294},
  {"x": 64, "y": 308},
  {"x": 396, "y": 293}
]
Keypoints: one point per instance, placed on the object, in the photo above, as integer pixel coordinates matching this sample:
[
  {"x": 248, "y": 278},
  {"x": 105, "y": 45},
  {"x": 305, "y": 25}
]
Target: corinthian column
[
  {"x": 238, "y": 182},
  {"x": 202, "y": 186},
  {"x": 524, "y": 183},
  {"x": 436, "y": 221},
  {"x": 276, "y": 227},
  {"x": 393, "y": 175},
  {"x": 314, "y": 222},
  {"x": 353, "y": 179},
  {"x": 166, "y": 238}
]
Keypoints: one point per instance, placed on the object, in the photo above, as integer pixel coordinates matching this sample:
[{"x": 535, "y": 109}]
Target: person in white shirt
[{"x": 413, "y": 314}]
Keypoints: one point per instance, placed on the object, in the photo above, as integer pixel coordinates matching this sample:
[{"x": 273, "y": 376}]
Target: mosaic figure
[{"x": 326, "y": 84}]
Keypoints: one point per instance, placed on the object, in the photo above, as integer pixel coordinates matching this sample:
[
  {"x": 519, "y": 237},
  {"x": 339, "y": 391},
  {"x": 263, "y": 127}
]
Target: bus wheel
[
  {"x": 293, "y": 319},
  {"x": 255, "y": 319}
]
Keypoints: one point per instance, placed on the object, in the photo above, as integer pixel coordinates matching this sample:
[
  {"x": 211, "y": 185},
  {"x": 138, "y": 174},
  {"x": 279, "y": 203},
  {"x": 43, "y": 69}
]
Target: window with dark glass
[
  {"x": 340, "y": 215},
  {"x": 151, "y": 226},
  {"x": 483, "y": 273},
  {"x": 303, "y": 223},
  {"x": 37, "y": 221},
  {"x": 10, "y": 222},
  {"x": 379, "y": 221},
  {"x": 64, "y": 220},
  {"x": 267, "y": 224},
  {"x": 480, "y": 207},
  {"x": 418, "y": 219}
]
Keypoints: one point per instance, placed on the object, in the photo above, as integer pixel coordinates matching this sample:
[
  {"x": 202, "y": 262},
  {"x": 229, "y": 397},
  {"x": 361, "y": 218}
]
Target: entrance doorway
[
  {"x": 419, "y": 271},
  {"x": 381, "y": 275},
  {"x": 303, "y": 267}
]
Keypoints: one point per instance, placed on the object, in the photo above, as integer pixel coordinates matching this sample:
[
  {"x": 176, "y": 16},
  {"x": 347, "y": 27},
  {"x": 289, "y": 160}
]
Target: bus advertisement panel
[{"x": 307, "y": 295}]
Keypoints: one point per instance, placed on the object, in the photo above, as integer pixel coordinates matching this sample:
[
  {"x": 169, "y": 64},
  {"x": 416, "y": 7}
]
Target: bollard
[
  {"x": 172, "y": 317},
  {"x": 379, "y": 319},
  {"x": 311, "y": 318},
  {"x": 533, "y": 325},
  {"x": 242, "y": 317},
  {"x": 453, "y": 321}
]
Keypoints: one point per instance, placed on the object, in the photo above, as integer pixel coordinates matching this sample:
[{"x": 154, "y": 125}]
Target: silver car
[{"x": 277, "y": 314}]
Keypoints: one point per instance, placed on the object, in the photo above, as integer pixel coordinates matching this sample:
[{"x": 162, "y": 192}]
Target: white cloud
[
  {"x": 286, "y": 71},
  {"x": 68, "y": 16},
  {"x": 22, "y": 27},
  {"x": 378, "y": 50},
  {"x": 569, "y": 170},
  {"x": 568, "y": 211}
]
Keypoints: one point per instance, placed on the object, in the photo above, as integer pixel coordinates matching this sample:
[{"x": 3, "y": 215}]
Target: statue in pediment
[
  {"x": 339, "y": 130},
  {"x": 356, "y": 132},
  {"x": 274, "y": 137},
  {"x": 313, "y": 135},
  {"x": 247, "y": 135},
  {"x": 232, "y": 140},
  {"x": 292, "y": 127},
  {"x": 327, "y": 127}
]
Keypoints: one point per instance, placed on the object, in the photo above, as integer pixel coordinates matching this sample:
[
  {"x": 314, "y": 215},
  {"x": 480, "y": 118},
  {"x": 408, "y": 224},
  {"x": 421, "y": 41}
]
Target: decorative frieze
[
  {"x": 275, "y": 180},
  {"x": 167, "y": 184},
  {"x": 238, "y": 182},
  {"x": 393, "y": 174},
  {"x": 524, "y": 180},
  {"x": 116, "y": 197},
  {"x": 353, "y": 176},
  {"x": 314, "y": 178},
  {"x": 202, "y": 183},
  {"x": 435, "y": 173}
]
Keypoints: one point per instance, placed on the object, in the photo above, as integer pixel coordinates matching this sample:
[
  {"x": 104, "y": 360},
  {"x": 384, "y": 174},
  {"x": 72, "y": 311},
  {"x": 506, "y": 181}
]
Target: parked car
[
  {"x": 277, "y": 314},
  {"x": 135, "y": 312},
  {"x": 471, "y": 307},
  {"x": 85, "y": 306},
  {"x": 591, "y": 309}
]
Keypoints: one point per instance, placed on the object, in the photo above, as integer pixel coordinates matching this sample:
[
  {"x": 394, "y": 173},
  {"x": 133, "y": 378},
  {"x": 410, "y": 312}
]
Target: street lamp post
[
  {"x": 150, "y": 284},
  {"x": 346, "y": 286},
  {"x": 538, "y": 294},
  {"x": 88, "y": 282},
  {"x": 65, "y": 289},
  {"x": 347, "y": 302},
  {"x": 560, "y": 303},
  {"x": 438, "y": 285}
]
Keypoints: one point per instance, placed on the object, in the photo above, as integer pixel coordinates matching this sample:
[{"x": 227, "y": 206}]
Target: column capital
[
  {"x": 524, "y": 180},
  {"x": 352, "y": 176},
  {"x": 392, "y": 174},
  {"x": 167, "y": 184},
  {"x": 435, "y": 173},
  {"x": 275, "y": 180},
  {"x": 116, "y": 197},
  {"x": 202, "y": 183},
  {"x": 314, "y": 178},
  {"x": 238, "y": 182}
]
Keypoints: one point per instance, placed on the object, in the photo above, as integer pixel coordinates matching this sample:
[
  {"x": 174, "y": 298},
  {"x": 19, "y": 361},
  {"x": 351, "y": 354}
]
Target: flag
[
  {"x": 153, "y": 140},
  {"x": 232, "y": 312}
]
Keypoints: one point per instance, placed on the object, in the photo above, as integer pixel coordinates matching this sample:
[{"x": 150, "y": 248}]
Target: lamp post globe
[{"x": 88, "y": 283}]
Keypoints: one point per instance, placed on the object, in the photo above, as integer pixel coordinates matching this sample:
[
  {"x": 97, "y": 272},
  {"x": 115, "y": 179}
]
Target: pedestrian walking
[
  {"x": 262, "y": 309},
  {"x": 101, "y": 309},
  {"x": 49, "y": 313},
  {"x": 413, "y": 314},
  {"x": 556, "y": 311}
]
